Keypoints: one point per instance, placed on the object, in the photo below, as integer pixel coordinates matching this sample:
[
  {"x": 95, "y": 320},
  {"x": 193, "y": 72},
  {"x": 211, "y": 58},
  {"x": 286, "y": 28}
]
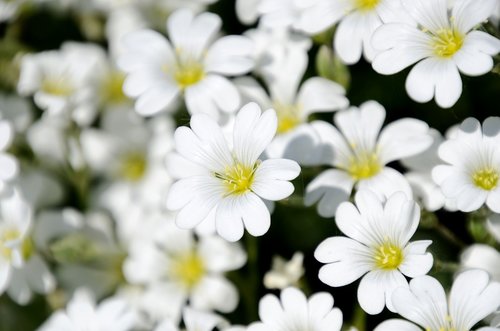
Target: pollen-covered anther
[{"x": 388, "y": 256}]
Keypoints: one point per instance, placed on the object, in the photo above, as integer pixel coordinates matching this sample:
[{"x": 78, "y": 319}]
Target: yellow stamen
[
  {"x": 366, "y": 4},
  {"x": 364, "y": 165},
  {"x": 388, "y": 256},
  {"x": 188, "y": 269},
  {"x": 133, "y": 166},
  {"x": 288, "y": 116},
  {"x": 57, "y": 86},
  {"x": 486, "y": 179},
  {"x": 238, "y": 178},
  {"x": 447, "y": 42},
  {"x": 112, "y": 88},
  {"x": 188, "y": 73},
  {"x": 27, "y": 247}
]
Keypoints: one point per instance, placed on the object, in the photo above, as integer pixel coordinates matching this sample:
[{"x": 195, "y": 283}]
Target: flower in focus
[
  {"x": 360, "y": 152},
  {"x": 82, "y": 313},
  {"x": 472, "y": 174},
  {"x": 293, "y": 311},
  {"x": 191, "y": 64},
  {"x": 378, "y": 246},
  {"x": 473, "y": 297},
  {"x": 229, "y": 183},
  {"x": 445, "y": 42}
]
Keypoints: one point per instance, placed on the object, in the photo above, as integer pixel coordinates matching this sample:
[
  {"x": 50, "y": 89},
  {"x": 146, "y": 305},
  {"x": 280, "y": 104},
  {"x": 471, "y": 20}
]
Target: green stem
[
  {"x": 446, "y": 266},
  {"x": 252, "y": 282},
  {"x": 449, "y": 235},
  {"x": 359, "y": 318}
]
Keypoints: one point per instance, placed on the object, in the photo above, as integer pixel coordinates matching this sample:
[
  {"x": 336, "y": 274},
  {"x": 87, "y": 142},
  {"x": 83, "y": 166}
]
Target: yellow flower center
[
  {"x": 364, "y": 165},
  {"x": 112, "y": 88},
  {"x": 447, "y": 42},
  {"x": 238, "y": 178},
  {"x": 27, "y": 247},
  {"x": 188, "y": 269},
  {"x": 188, "y": 73},
  {"x": 447, "y": 327},
  {"x": 133, "y": 166},
  {"x": 487, "y": 178},
  {"x": 388, "y": 256},
  {"x": 288, "y": 116},
  {"x": 57, "y": 86},
  {"x": 366, "y": 4}
]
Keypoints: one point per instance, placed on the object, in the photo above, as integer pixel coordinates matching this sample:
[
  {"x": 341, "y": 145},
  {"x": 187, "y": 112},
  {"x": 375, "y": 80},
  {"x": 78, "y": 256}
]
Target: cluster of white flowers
[{"x": 135, "y": 177}]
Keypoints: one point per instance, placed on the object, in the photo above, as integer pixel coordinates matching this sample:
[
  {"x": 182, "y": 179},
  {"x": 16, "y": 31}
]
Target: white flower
[
  {"x": 61, "y": 81},
  {"x": 425, "y": 190},
  {"x": 130, "y": 153},
  {"x": 81, "y": 313},
  {"x": 229, "y": 183},
  {"x": 493, "y": 225},
  {"x": 191, "y": 64},
  {"x": 9, "y": 8},
  {"x": 185, "y": 269},
  {"x": 194, "y": 320},
  {"x": 471, "y": 299},
  {"x": 295, "y": 139},
  {"x": 357, "y": 19},
  {"x": 22, "y": 270},
  {"x": 273, "y": 46},
  {"x": 17, "y": 111},
  {"x": 285, "y": 273},
  {"x": 296, "y": 312},
  {"x": 9, "y": 166},
  {"x": 445, "y": 42},
  {"x": 360, "y": 152},
  {"x": 378, "y": 246},
  {"x": 480, "y": 256},
  {"x": 472, "y": 174}
]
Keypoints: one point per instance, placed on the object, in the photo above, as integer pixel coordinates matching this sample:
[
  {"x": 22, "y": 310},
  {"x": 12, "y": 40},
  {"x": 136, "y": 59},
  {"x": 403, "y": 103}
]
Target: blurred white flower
[
  {"x": 360, "y": 152},
  {"x": 293, "y": 311},
  {"x": 357, "y": 19},
  {"x": 285, "y": 273},
  {"x": 80, "y": 243},
  {"x": 51, "y": 140},
  {"x": 9, "y": 166},
  {"x": 185, "y": 269},
  {"x": 295, "y": 139},
  {"x": 472, "y": 173},
  {"x": 480, "y": 256},
  {"x": 22, "y": 270},
  {"x": 229, "y": 183},
  {"x": 17, "y": 111},
  {"x": 9, "y": 9},
  {"x": 473, "y": 297},
  {"x": 130, "y": 153},
  {"x": 61, "y": 81},
  {"x": 82, "y": 313},
  {"x": 194, "y": 320},
  {"x": 425, "y": 190},
  {"x": 493, "y": 225},
  {"x": 378, "y": 245},
  {"x": 191, "y": 64},
  {"x": 446, "y": 42},
  {"x": 272, "y": 47}
]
